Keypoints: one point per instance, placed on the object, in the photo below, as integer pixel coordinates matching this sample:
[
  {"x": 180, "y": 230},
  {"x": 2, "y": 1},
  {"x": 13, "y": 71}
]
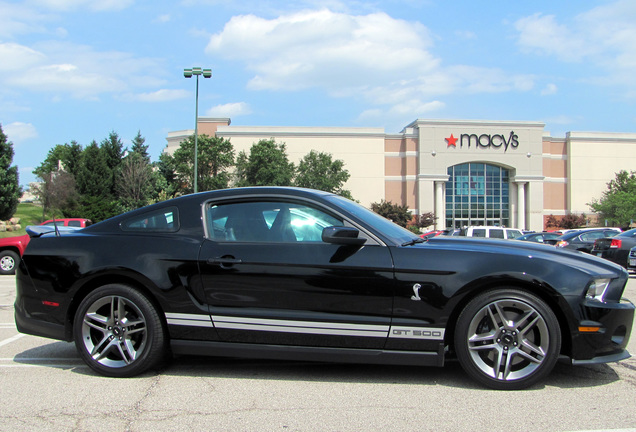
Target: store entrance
[{"x": 477, "y": 194}]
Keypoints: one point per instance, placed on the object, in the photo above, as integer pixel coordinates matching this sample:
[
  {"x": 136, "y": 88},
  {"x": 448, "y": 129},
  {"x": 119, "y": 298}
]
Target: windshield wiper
[{"x": 413, "y": 241}]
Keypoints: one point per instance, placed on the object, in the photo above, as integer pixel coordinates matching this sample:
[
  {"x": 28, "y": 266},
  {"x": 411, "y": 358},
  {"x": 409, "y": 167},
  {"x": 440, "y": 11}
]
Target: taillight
[
  {"x": 561, "y": 243},
  {"x": 616, "y": 244}
]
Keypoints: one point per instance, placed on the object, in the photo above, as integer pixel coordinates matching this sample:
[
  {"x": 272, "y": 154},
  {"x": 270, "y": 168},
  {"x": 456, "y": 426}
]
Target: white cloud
[
  {"x": 79, "y": 71},
  {"x": 550, "y": 89},
  {"x": 162, "y": 95},
  {"x": 15, "y": 57},
  {"x": 18, "y": 132},
  {"x": 323, "y": 49},
  {"x": 602, "y": 37},
  {"x": 383, "y": 60},
  {"x": 101, "y": 5},
  {"x": 229, "y": 110}
]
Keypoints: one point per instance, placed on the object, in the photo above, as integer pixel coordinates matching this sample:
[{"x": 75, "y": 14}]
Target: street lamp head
[{"x": 207, "y": 73}]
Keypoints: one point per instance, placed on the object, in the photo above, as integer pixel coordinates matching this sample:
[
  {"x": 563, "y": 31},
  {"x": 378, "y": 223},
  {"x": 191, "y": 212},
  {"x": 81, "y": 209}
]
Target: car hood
[{"x": 582, "y": 261}]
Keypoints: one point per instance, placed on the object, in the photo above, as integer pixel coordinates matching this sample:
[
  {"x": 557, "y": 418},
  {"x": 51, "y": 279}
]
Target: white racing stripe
[{"x": 306, "y": 327}]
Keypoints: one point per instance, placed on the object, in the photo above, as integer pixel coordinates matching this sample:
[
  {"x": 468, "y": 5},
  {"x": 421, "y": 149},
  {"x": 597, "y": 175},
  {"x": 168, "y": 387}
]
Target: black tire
[
  {"x": 512, "y": 354},
  {"x": 9, "y": 261},
  {"x": 114, "y": 346}
]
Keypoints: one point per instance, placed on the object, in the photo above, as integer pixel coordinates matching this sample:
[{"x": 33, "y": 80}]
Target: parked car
[
  {"x": 540, "y": 237},
  {"x": 491, "y": 232},
  {"x": 583, "y": 240},
  {"x": 617, "y": 248},
  {"x": 72, "y": 222},
  {"x": 12, "y": 248},
  {"x": 631, "y": 263},
  {"x": 287, "y": 273},
  {"x": 430, "y": 234}
]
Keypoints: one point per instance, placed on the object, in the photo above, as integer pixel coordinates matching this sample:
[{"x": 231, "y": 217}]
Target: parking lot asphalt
[{"x": 46, "y": 387}]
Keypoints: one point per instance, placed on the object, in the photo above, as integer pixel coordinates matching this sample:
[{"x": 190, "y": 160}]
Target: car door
[{"x": 269, "y": 278}]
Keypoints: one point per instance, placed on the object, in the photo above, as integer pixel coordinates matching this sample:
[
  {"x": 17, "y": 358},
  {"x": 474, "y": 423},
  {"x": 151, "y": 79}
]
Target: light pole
[{"x": 207, "y": 73}]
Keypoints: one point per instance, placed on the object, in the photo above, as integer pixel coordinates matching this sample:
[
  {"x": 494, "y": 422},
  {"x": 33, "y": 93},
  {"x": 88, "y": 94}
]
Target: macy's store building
[{"x": 467, "y": 172}]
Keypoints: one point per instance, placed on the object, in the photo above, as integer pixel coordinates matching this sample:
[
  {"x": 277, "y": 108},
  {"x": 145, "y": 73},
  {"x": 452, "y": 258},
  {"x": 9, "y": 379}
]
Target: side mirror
[{"x": 342, "y": 236}]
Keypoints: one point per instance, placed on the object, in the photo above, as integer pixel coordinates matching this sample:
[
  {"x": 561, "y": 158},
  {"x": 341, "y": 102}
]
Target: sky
[{"x": 77, "y": 70}]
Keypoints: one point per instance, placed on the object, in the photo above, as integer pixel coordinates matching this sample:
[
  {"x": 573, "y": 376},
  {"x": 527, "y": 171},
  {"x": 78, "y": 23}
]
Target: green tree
[
  {"x": 399, "y": 214},
  {"x": 56, "y": 191},
  {"x": 215, "y": 158},
  {"x": 113, "y": 150},
  {"x": 166, "y": 182},
  {"x": 266, "y": 165},
  {"x": 135, "y": 184},
  {"x": 94, "y": 177},
  {"x": 425, "y": 220},
  {"x": 65, "y": 156},
  {"x": 618, "y": 203},
  {"x": 10, "y": 190},
  {"x": 139, "y": 147},
  {"x": 318, "y": 170}
]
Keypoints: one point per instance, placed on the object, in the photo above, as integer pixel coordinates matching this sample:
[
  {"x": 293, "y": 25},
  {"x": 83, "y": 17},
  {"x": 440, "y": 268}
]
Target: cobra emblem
[{"x": 416, "y": 291}]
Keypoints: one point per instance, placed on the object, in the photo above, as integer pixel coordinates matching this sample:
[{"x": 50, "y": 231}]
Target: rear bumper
[{"x": 29, "y": 325}]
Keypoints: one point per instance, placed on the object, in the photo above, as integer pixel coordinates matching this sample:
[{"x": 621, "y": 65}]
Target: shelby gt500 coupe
[{"x": 286, "y": 273}]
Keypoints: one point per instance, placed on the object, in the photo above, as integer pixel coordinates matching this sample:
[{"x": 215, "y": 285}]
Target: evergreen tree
[
  {"x": 113, "y": 150},
  {"x": 94, "y": 177},
  {"x": 10, "y": 190},
  {"x": 139, "y": 147}
]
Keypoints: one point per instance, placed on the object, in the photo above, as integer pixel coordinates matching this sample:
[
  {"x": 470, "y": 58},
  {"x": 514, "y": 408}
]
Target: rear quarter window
[{"x": 161, "y": 220}]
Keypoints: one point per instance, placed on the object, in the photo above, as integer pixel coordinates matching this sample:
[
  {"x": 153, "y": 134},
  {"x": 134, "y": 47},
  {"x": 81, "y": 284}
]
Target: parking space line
[{"x": 12, "y": 339}]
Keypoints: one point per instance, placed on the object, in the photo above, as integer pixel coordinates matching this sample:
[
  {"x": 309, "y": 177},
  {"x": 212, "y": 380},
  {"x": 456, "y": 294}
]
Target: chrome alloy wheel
[
  {"x": 508, "y": 339},
  {"x": 114, "y": 331},
  {"x": 7, "y": 263}
]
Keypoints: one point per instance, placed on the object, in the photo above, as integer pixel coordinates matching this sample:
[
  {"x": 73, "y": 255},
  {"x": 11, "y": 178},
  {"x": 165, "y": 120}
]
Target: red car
[
  {"x": 430, "y": 234},
  {"x": 12, "y": 248}
]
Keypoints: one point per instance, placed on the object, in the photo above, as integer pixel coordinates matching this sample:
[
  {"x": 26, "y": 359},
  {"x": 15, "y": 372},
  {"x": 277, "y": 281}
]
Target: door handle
[{"x": 225, "y": 261}]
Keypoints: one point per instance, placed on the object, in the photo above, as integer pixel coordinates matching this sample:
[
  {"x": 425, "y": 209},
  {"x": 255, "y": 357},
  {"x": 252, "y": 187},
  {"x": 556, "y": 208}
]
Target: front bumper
[{"x": 609, "y": 343}]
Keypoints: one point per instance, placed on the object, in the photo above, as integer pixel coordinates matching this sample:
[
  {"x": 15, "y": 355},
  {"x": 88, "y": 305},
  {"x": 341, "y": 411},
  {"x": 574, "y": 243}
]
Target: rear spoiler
[{"x": 40, "y": 230}]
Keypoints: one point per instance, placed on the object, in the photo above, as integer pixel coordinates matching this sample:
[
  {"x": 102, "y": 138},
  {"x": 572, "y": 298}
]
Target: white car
[{"x": 491, "y": 232}]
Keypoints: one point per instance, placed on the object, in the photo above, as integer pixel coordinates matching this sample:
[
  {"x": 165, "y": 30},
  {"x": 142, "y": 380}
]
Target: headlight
[{"x": 597, "y": 288}]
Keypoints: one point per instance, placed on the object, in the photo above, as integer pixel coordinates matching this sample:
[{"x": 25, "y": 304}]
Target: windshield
[{"x": 383, "y": 225}]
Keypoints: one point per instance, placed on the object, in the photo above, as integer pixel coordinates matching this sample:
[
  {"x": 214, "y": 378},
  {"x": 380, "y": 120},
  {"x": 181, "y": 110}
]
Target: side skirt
[{"x": 305, "y": 353}]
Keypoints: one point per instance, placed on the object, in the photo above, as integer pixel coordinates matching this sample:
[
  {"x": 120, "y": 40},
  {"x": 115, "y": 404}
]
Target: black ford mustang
[{"x": 301, "y": 274}]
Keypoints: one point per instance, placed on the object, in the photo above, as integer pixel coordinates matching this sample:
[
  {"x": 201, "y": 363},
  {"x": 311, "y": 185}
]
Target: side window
[
  {"x": 74, "y": 223},
  {"x": 513, "y": 234},
  {"x": 479, "y": 232},
  {"x": 162, "y": 220},
  {"x": 267, "y": 221},
  {"x": 496, "y": 233},
  {"x": 589, "y": 237}
]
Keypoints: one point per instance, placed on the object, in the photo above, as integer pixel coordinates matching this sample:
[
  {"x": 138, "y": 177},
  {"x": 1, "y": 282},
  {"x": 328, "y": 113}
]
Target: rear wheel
[
  {"x": 9, "y": 261},
  {"x": 118, "y": 332},
  {"x": 507, "y": 339}
]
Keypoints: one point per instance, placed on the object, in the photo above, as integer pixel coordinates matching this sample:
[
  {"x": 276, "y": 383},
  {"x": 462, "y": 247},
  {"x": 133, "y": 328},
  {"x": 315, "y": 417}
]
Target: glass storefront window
[{"x": 477, "y": 194}]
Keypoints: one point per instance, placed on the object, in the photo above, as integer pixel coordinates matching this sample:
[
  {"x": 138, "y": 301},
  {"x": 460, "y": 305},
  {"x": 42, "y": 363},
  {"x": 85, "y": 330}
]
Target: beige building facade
[{"x": 467, "y": 172}]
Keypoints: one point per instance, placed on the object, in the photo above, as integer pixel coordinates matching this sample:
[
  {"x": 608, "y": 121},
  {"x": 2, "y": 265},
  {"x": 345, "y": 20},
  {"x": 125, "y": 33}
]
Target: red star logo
[{"x": 451, "y": 141}]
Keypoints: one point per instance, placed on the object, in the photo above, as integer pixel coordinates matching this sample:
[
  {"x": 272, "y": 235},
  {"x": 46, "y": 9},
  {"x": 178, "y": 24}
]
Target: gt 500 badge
[{"x": 416, "y": 333}]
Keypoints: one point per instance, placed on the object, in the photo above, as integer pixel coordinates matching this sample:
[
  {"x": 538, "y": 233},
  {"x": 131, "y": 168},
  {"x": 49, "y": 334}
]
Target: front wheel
[
  {"x": 118, "y": 332},
  {"x": 507, "y": 339}
]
